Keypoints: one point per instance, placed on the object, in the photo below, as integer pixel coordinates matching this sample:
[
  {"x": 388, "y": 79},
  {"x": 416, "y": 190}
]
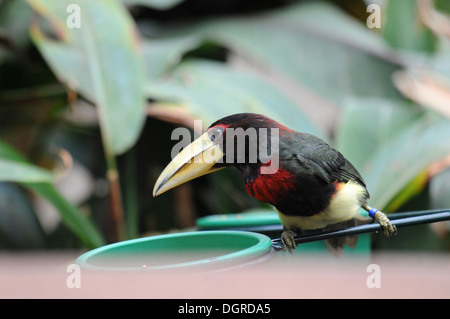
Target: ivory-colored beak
[{"x": 195, "y": 160}]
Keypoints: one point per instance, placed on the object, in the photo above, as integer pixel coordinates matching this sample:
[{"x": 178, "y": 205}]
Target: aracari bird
[{"x": 311, "y": 184}]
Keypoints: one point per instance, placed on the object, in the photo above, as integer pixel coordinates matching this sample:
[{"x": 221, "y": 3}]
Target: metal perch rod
[{"x": 399, "y": 220}]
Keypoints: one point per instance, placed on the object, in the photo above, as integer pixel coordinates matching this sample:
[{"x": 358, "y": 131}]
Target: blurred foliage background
[{"x": 90, "y": 94}]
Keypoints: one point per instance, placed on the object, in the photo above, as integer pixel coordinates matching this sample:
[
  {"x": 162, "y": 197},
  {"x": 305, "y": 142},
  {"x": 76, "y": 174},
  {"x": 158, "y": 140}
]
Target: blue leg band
[{"x": 372, "y": 212}]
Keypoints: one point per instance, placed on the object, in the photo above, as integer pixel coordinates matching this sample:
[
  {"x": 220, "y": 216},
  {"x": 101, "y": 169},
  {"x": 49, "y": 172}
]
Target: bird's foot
[
  {"x": 389, "y": 230},
  {"x": 288, "y": 239}
]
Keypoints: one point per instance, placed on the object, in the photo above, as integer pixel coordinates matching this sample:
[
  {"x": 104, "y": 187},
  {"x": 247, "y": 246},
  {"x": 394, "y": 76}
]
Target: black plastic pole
[{"x": 416, "y": 218}]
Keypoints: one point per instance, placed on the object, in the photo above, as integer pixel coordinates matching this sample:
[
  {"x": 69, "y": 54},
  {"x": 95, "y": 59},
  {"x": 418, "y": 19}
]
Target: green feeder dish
[
  {"x": 212, "y": 250},
  {"x": 248, "y": 219}
]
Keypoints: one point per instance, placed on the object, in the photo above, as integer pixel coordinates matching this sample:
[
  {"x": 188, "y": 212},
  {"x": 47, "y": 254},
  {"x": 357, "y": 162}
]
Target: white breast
[{"x": 344, "y": 205}]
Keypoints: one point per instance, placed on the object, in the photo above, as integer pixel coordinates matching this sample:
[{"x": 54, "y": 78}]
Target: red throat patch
[{"x": 270, "y": 188}]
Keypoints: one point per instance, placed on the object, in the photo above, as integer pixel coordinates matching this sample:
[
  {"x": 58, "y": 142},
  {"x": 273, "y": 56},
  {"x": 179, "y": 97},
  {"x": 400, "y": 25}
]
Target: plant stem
[
  {"x": 131, "y": 195},
  {"x": 116, "y": 201}
]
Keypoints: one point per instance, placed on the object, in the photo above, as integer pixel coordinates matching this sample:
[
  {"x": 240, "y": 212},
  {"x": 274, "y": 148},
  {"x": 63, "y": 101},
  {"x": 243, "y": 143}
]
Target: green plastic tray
[{"x": 207, "y": 249}]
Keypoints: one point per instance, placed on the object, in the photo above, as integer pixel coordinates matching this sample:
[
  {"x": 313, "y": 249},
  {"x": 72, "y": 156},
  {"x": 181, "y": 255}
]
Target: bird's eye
[{"x": 216, "y": 134}]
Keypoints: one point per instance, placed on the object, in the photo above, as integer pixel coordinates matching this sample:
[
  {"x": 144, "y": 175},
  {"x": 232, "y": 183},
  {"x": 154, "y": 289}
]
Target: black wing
[{"x": 317, "y": 157}]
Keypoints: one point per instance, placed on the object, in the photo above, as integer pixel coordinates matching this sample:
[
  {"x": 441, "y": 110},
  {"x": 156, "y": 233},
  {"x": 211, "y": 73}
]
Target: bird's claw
[
  {"x": 288, "y": 239},
  {"x": 389, "y": 230}
]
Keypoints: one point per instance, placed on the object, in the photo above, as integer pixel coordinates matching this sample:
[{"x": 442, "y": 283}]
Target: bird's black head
[
  {"x": 246, "y": 141},
  {"x": 246, "y": 120}
]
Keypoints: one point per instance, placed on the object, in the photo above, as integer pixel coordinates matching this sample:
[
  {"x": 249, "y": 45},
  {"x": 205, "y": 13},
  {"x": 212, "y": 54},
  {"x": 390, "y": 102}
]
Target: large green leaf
[
  {"x": 314, "y": 44},
  {"x": 165, "y": 53},
  {"x": 369, "y": 123},
  {"x": 101, "y": 59},
  {"x": 403, "y": 28},
  {"x": 73, "y": 218},
  {"x": 11, "y": 171},
  {"x": 392, "y": 144},
  {"x": 211, "y": 90},
  {"x": 406, "y": 156}
]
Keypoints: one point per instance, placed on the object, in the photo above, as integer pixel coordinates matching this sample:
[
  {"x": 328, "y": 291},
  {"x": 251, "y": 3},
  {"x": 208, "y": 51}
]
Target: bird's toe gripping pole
[{"x": 389, "y": 230}]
